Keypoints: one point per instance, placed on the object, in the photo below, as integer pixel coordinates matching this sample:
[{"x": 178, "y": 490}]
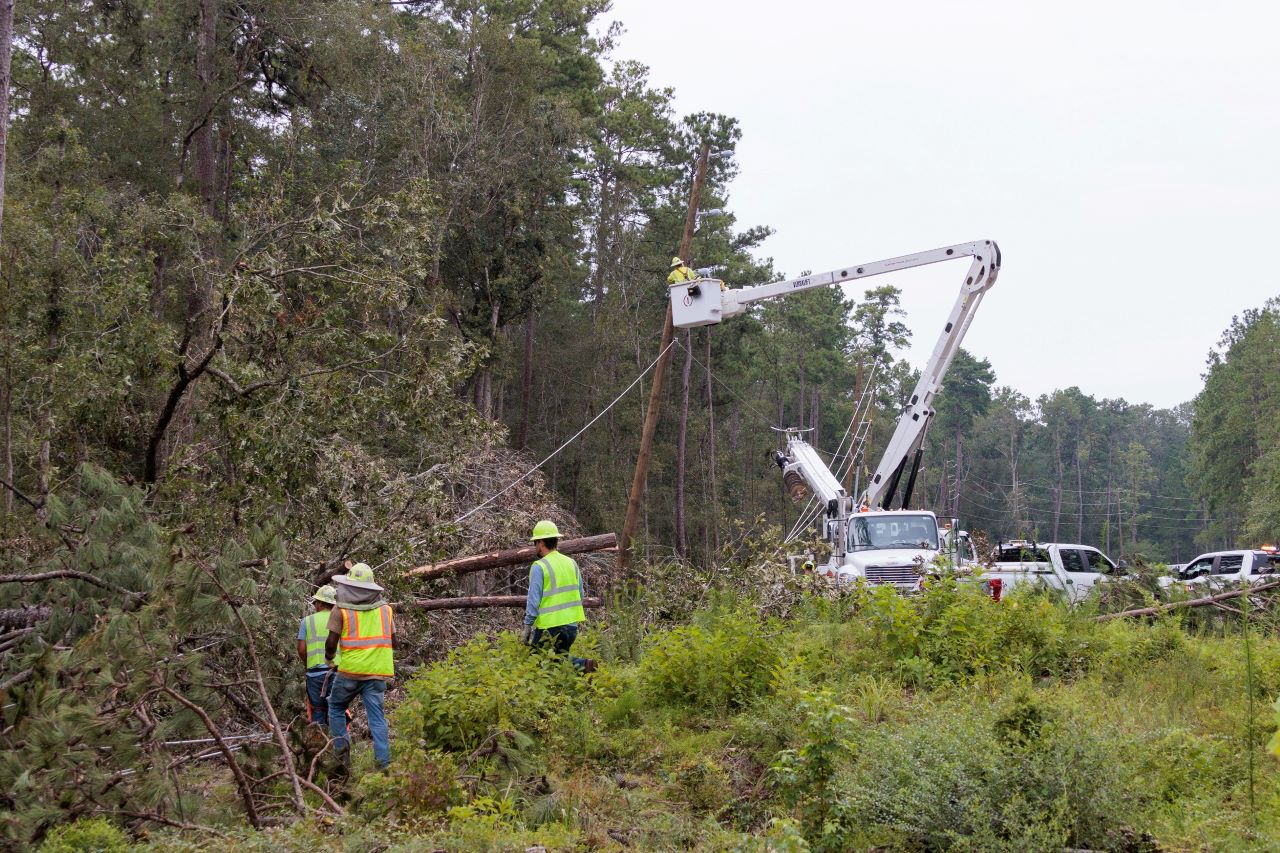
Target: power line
[
  {"x": 1050, "y": 487},
  {"x": 567, "y": 442},
  {"x": 1117, "y": 494}
]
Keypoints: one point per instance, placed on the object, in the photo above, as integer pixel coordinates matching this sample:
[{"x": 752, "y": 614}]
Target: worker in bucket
[
  {"x": 680, "y": 272},
  {"x": 312, "y": 633},
  {"x": 360, "y": 649},
  {"x": 553, "y": 607}
]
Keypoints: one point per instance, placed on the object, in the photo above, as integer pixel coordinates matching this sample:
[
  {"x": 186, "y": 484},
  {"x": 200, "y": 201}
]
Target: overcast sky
[{"x": 1124, "y": 154}]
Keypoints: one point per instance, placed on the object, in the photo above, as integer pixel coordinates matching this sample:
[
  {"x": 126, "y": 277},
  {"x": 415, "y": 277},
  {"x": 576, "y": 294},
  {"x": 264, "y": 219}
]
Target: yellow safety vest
[
  {"x": 680, "y": 274},
  {"x": 316, "y": 628},
  {"x": 561, "y": 602},
  {"x": 365, "y": 642}
]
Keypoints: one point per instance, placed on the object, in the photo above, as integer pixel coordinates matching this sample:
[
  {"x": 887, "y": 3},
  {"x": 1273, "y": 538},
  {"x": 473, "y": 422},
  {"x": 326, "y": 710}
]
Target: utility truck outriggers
[{"x": 869, "y": 538}]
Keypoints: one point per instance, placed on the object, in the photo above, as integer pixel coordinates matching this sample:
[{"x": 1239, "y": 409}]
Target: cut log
[
  {"x": 1193, "y": 602},
  {"x": 476, "y": 601},
  {"x": 23, "y": 617},
  {"x": 511, "y": 557}
]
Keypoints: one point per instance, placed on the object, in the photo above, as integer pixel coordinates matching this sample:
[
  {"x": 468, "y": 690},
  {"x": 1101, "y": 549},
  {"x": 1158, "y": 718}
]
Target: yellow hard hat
[
  {"x": 675, "y": 262},
  {"x": 327, "y": 594},
  {"x": 359, "y": 575},
  {"x": 545, "y": 530}
]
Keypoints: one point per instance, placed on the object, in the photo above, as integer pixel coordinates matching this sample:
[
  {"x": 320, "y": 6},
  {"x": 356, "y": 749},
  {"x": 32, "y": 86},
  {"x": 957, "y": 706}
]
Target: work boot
[{"x": 588, "y": 665}]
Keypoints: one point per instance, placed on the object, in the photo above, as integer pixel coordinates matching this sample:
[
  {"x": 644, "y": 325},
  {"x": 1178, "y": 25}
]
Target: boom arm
[{"x": 703, "y": 302}]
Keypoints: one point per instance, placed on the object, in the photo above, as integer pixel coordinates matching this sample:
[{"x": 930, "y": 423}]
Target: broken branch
[{"x": 1194, "y": 602}]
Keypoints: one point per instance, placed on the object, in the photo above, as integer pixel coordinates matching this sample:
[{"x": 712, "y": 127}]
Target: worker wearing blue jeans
[
  {"x": 360, "y": 649},
  {"x": 371, "y": 692}
]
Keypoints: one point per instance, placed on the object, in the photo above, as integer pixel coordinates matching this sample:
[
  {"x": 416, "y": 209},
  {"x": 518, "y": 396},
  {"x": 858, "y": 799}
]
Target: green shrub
[
  {"x": 487, "y": 686},
  {"x": 717, "y": 667},
  {"x": 87, "y": 835},
  {"x": 806, "y": 776},
  {"x": 418, "y": 786},
  {"x": 1015, "y": 777}
]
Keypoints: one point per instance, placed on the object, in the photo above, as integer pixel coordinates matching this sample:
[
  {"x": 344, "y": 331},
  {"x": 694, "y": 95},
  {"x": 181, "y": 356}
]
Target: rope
[{"x": 569, "y": 441}]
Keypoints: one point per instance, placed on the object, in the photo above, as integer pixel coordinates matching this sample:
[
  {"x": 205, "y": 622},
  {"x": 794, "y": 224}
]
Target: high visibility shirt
[
  {"x": 314, "y": 631},
  {"x": 365, "y": 642},
  {"x": 679, "y": 274},
  {"x": 561, "y": 602}
]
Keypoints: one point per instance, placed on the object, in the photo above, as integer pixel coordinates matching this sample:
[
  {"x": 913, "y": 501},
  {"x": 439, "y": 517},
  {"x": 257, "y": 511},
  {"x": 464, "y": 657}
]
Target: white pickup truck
[
  {"x": 1072, "y": 569},
  {"x": 1228, "y": 568}
]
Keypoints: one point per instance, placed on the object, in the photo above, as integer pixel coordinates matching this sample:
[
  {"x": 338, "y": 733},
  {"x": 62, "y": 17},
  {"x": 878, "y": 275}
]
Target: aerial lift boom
[{"x": 704, "y": 302}]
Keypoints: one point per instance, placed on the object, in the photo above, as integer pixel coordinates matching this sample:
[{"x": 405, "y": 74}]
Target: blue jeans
[
  {"x": 561, "y": 640},
  {"x": 371, "y": 691},
  {"x": 317, "y": 705}
]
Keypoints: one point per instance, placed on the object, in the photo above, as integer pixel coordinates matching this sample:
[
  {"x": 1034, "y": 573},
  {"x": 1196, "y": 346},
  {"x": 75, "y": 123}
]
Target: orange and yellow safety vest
[{"x": 365, "y": 642}]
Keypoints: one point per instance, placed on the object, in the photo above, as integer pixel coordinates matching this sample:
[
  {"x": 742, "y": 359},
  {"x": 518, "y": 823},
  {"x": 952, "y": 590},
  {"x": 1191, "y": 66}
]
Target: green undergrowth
[{"x": 868, "y": 721}]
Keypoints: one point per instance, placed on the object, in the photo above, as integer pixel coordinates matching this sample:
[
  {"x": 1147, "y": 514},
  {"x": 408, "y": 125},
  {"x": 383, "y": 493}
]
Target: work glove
[{"x": 526, "y": 636}]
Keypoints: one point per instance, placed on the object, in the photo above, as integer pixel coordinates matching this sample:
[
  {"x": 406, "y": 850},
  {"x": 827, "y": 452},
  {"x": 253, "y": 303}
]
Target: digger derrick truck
[{"x": 869, "y": 538}]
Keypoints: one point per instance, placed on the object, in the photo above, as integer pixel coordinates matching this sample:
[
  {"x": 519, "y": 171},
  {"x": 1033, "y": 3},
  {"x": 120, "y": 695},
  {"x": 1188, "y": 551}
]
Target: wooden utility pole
[{"x": 659, "y": 374}]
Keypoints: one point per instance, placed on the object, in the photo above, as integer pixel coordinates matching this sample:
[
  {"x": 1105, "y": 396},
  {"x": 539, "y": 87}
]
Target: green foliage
[
  {"x": 420, "y": 786},
  {"x": 484, "y": 688},
  {"x": 87, "y": 835},
  {"x": 153, "y": 624},
  {"x": 806, "y": 777},
  {"x": 1234, "y": 440},
  {"x": 719, "y": 666}
]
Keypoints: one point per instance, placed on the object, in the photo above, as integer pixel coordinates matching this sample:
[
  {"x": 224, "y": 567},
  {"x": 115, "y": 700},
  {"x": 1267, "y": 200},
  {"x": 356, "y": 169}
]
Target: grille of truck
[{"x": 905, "y": 576}]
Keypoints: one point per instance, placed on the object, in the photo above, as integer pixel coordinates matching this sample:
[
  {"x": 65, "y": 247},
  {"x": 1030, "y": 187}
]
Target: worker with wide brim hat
[{"x": 361, "y": 649}]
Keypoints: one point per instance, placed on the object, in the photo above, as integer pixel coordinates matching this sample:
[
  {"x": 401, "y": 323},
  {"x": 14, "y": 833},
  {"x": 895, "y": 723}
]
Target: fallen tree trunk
[
  {"x": 1194, "y": 602},
  {"x": 475, "y": 601},
  {"x": 511, "y": 557},
  {"x": 23, "y": 617}
]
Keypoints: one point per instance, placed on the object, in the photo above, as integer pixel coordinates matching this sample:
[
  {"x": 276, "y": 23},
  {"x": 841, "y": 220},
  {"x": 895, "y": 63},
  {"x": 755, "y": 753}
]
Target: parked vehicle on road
[
  {"x": 1069, "y": 568},
  {"x": 1228, "y": 568}
]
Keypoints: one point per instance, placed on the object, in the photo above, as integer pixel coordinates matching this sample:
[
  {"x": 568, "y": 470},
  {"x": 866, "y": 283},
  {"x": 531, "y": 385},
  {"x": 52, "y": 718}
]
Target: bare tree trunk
[
  {"x": 7, "y": 404},
  {"x": 526, "y": 383},
  {"x": 853, "y": 430},
  {"x": 711, "y": 452},
  {"x": 943, "y": 494},
  {"x": 799, "y": 398},
  {"x": 813, "y": 417},
  {"x": 6, "y": 54},
  {"x": 955, "y": 495},
  {"x": 202, "y": 138},
  {"x": 682, "y": 541},
  {"x": 1057, "y": 492},
  {"x": 1079, "y": 500},
  {"x": 1120, "y": 523},
  {"x": 1107, "y": 518},
  {"x": 1013, "y": 479}
]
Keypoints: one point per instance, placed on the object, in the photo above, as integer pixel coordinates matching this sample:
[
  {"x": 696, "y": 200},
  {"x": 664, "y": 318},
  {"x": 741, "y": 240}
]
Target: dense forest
[{"x": 287, "y": 283}]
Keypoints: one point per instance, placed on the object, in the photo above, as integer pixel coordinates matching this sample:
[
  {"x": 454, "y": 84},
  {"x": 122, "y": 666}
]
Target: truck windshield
[{"x": 868, "y": 533}]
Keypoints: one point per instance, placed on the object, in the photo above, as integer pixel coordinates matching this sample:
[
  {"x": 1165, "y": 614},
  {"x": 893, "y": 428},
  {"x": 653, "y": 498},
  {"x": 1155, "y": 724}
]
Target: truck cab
[
  {"x": 1228, "y": 568},
  {"x": 897, "y": 547}
]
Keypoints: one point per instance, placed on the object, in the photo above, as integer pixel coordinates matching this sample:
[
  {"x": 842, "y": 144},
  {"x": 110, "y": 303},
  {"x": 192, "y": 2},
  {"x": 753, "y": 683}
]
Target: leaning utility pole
[{"x": 659, "y": 373}]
